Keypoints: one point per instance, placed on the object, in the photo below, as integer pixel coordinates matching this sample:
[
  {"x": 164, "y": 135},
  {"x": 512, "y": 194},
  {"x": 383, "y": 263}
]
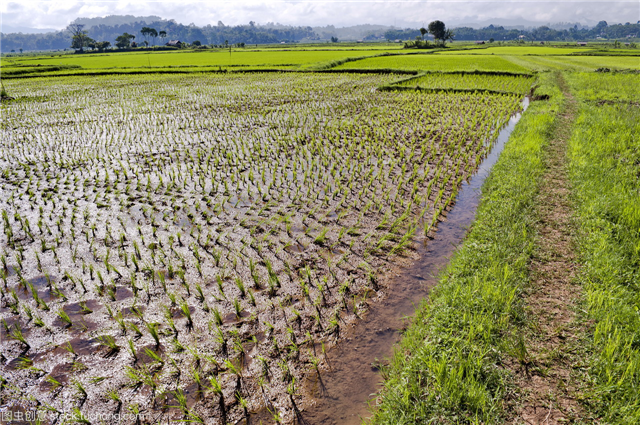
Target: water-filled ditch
[{"x": 342, "y": 393}]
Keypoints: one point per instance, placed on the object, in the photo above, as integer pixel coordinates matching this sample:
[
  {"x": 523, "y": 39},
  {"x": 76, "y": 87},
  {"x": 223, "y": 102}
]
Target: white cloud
[{"x": 57, "y": 14}]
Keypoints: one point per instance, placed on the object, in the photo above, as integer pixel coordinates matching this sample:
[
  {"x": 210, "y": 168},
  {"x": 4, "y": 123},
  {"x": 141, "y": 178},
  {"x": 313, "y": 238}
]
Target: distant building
[
  {"x": 581, "y": 43},
  {"x": 174, "y": 43},
  {"x": 480, "y": 42}
]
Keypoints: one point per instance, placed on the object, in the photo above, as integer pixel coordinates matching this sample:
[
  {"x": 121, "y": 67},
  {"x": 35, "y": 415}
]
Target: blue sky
[{"x": 57, "y": 14}]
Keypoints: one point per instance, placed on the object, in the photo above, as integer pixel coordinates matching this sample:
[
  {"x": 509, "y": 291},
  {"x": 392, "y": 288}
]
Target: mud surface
[{"x": 181, "y": 248}]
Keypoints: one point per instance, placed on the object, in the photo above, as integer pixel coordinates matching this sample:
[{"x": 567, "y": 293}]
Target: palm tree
[{"x": 153, "y": 33}]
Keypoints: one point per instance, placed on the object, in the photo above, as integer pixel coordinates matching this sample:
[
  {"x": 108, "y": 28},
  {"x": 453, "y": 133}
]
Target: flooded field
[{"x": 192, "y": 247}]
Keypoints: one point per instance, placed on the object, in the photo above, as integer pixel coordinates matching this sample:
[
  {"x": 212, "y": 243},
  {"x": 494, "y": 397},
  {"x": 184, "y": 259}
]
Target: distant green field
[
  {"x": 434, "y": 62},
  {"x": 518, "y": 59},
  {"x": 575, "y": 63},
  {"x": 210, "y": 58},
  {"x": 519, "y": 50}
]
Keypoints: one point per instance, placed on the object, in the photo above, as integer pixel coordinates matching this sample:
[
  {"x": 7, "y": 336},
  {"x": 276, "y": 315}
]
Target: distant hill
[
  {"x": 355, "y": 32},
  {"x": 518, "y": 23},
  {"x": 7, "y": 29},
  {"x": 113, "y": 20}
]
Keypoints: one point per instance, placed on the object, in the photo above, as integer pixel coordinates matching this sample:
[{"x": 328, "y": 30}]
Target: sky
[{"x": 408, "y": 13}]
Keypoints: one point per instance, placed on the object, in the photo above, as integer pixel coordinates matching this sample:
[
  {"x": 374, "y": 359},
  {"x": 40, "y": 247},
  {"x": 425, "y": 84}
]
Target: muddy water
[{"x": 342, "y": 394}]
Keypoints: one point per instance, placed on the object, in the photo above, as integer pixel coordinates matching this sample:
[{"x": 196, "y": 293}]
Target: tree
[
  {"x": 423, "y": 32},
  {"x": 153, "y": 34},
  {"x": 334, "y": 39},
  {"x": 163, "y": 35},
  {"x": 146, "y": 31},
  {"x": 440, "y": 31},
  {"x": 124, "y": 40},
  {"x": 102, "y": 45},
  {"x": 197, "y": 43},
  {"x": 448, "y": 35},
  {"x": 437, "y": 29},
  {"x": 79, "y": 37}
]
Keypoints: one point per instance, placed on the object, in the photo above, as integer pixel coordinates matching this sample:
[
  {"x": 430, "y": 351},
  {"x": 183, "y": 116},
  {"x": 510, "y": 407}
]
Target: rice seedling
[
  {"x": 153, "y": 331},
  {"x": 65, "y": 318}
]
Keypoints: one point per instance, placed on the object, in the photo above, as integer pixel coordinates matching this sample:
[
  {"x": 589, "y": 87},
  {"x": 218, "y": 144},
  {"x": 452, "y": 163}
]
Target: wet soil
[{"x": 162, "y": 250}]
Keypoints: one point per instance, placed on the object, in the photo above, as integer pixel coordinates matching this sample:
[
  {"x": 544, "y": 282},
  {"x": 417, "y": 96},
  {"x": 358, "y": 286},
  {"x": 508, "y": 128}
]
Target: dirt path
[{"x": 546, "y": 375}]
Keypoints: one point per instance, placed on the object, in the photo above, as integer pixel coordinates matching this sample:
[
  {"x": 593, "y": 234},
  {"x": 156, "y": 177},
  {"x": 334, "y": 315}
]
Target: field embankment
[
  {"x": 553, "y": 339},
  {"x": 449, "y": 366}
]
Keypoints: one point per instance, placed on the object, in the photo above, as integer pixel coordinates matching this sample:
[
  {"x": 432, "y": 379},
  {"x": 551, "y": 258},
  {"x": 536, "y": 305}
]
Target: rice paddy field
[
  {"x": 189, "y": 247},
  {"x": 434, "y": 62},
  {"x": 515, "y": 84},
  {"x": 209, "y": 58}
]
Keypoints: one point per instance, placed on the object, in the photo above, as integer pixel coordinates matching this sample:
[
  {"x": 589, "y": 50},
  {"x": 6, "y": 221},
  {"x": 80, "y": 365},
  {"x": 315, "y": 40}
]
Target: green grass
[
  {"x": 434, "y": 62},
  {"x": 447, "y": 367},
  {"x": 613, "y": 87},
  {"x": 605, "y": 153}
]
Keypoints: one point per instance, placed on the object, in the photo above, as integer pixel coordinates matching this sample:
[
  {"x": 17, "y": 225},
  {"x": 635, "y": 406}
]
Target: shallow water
[{"x": 342, "y": 394}]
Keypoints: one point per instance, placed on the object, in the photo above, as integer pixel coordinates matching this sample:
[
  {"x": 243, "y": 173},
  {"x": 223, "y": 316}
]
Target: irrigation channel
[{"x": 343, "y": 392}]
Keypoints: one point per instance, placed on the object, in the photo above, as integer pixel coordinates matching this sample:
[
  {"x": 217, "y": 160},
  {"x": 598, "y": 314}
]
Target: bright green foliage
[
  {"x": 447, "y": 367},
  {"x": 614, "y": 87},
  {"x": 605, "y": 153}
]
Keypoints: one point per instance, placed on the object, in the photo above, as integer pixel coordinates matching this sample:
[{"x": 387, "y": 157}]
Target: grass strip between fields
[
  {"x": 447, "y": 368},
  {"x": 604, "y": 156}
]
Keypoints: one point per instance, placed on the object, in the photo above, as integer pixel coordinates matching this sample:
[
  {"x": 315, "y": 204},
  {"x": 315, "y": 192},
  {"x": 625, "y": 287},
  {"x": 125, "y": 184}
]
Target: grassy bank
[
  {"x": 447, "y": 368},
  {"x": 604, "y": 154}
]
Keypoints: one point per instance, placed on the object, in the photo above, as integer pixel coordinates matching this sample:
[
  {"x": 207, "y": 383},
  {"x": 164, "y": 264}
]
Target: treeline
[
  {"x": 219, "y": 34},
  {"x": 252, "y": 33},
  {"x": 544, "y": 33}
]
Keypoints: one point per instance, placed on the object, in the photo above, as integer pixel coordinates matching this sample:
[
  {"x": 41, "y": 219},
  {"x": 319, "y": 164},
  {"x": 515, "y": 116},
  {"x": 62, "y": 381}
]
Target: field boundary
[
  {"x": 444, "y": 90},
  {"x": 449, "y": 364},
  {"x": 546, "y": 374}
]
